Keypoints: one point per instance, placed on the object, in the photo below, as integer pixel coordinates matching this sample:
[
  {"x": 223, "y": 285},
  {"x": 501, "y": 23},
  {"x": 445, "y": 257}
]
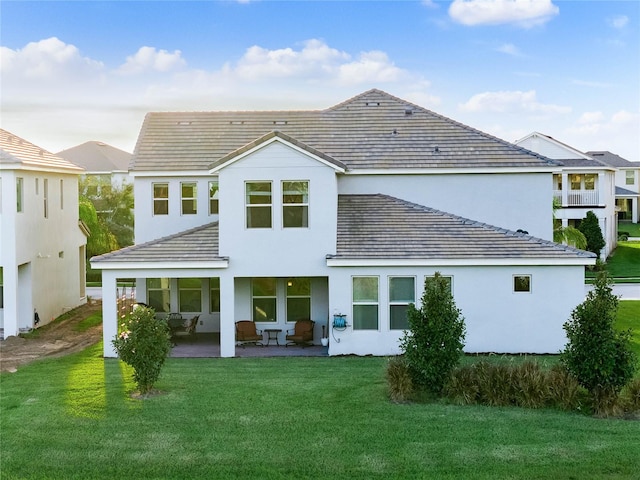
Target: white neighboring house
[
  {"x": 42, "y": 241},
  {"x": 342, "y": 213},
  {"x": 627, "y": 184},
  {"x": 584, "y": 183}
]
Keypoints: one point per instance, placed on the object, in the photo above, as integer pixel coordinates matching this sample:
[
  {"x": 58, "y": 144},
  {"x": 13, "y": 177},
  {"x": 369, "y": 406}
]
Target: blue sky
[{"x": 80, "y": 70}]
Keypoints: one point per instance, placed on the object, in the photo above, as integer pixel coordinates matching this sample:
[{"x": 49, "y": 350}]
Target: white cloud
[
  {"x": 511, "y": 102},
  {"x": 524, "y": 13},
  {"x": 618, "y": 21},
  {"x": 150, "y": 59},
  {"x": 589, "y": 118},
  {"x": 509, "y": 49},
  {"x": 598, "y": 131}
]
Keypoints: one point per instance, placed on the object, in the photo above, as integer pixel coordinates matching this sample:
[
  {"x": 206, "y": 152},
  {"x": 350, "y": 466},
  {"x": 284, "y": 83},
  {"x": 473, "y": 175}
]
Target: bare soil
[{"x": 55, "y": 339}]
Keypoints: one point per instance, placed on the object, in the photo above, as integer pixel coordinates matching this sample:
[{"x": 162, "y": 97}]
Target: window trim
[
  {"x": 631, "y": 177},
  {"x": 355, "y": 303},
  {"x": 214, "y": 287},
  {"x": 287, "y": 296},
  {"x": 45, "y": 196},
  {"x": 249, "y": 205},
  {"x": 189, "y": 289},
  {"x": 215, "y": 197},
  {"x": 159, "y": 289},
  {"x": 193, "y": 199},
  {"x": 19, "y": 194},
  {"x": 515, "y": 285},
  {"x": 303, "y": 205},
  {"x": 393, "y": 303},
  {"x": 274, "y": 297},
  {"x": 450, "y": 277}
]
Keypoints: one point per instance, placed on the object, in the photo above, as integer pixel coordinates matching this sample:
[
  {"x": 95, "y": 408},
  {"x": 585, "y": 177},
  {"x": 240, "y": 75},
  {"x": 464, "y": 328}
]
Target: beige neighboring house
[
  {"x": 583, "y": 182},
  {"x": 42, "y": 241},
  {"x": 105, "y": 166},
  {"x": 627, "y": 184}
]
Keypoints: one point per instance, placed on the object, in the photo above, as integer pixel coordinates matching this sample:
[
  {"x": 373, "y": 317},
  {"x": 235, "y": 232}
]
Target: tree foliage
[
  {"x": 568, "y": 235},
  {"x": 592, "y": 232},
  {"x": 144, "y": 343},
  {"x": 433, "y": 344},
  {"x": 596, "y": 354},
  {"x": 100, "y": 240}
]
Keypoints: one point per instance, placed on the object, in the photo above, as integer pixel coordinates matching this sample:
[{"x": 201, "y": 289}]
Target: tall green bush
[
  {"x": 144, "y": 343},
  {"x": 590, "y": 227},
  {"x": 433, "y": 344},
  {"x": 597, "y": 355}
]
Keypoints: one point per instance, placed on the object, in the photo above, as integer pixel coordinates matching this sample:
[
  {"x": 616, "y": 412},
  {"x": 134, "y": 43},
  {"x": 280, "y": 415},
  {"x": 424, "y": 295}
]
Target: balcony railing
[{"x": 576, "y": 198}]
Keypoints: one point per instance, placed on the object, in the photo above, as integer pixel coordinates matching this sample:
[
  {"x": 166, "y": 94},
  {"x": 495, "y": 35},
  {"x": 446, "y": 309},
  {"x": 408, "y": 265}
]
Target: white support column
[
  {"x": 10, "y": 273},
  {"x": 565, "y": 189},
  {"x": 227, "y": 317},
  {"x": 635, "y": 218},
  {"x": 601, "y": 189},
  {"x": 109, "y": 311}
]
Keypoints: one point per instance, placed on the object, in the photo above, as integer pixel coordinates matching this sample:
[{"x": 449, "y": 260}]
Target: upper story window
[
  {"x": 189, "y": 192},
  {"x": 522, "y": 283},
  {"x": 213, "y": 197},
  {"x": 61, "y": 194},
  {"x": 590, "y": 181},
  {"x": 160, "y": 198},
  {"x": 258, "y": 204},
  {"x": 295, "y": 204},
  {"x": 575, "y": 180},
  {"x": 19, "y": 194},
  {"x": 630, "y": 177},
  {"x": 45, "y": 192}
]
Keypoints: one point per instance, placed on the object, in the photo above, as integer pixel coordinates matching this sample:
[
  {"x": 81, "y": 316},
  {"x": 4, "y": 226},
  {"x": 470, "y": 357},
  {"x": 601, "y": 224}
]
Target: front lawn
[
  {"x": 629, "y": 318},
  {"x": 276, "y": 418},
  {"x": 623, "y": 264},
  {"x": 632, "y": 228}
]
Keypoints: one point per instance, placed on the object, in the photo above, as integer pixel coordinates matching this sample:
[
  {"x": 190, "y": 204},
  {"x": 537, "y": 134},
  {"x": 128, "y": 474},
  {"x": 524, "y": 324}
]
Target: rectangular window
[
  {"x": 264, "y": 299},
  {"x": 258, "y": 203},
  {"x": 37, "y": 187},
  {"x": 365, "y": 303},
  {"x": 448, "y": 280},
  {"x": 213, "y": 198},
  {"x": 522, "y": 283},
  {"x": 189, "y": 192},
  {"x": 295, "y": 204},
  {"x": 45, "y": 192},
  {"x": 298, "y": 299},
  {"x": 61, "y": 194},
  {"x": 590, "y": 181},
  {"x": 190, "y": 294},
  {"x": 214, "y": 287},
  {"x": 402, "y": 292},
  {"x": 158, "y": 294},
  {"x": 630, "y": 177},
  {"x": 575, "y": 181},
  {"x": 160, "y": 198},
  {"x": 19, "y": 194}
]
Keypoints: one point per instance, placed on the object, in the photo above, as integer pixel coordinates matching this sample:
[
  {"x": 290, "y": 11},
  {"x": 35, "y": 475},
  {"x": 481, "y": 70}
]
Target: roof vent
[
  {"x": 436, "y": 149},
  {"x": 236, "y": 122},
  {"x": 408, "y": 110},
  {"x": 372, "y": 104},
  {"x": 184, "y": 123},
  {"x": 395, "y": 132},
  {"x": 280, "y": 122}
]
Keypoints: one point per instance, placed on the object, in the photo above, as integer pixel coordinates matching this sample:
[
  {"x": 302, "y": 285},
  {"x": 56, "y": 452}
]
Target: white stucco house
[
  {"x": 584, "y": 183},
  {"x": 281, "y": 215},
  {"x": 42, "y": 241}
]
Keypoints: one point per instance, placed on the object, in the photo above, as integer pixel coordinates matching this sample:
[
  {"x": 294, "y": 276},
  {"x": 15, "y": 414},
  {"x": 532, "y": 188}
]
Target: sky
[{"x": 77, "y": 71}]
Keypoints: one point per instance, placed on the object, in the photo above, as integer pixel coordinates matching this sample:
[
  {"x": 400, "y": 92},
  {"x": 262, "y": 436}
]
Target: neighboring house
[
  {"x": 627, "y": 184},
  {"x": 584, "y": 183},
  {"x": 42, "y": 242},
  {"x": 277, "y": 216}
]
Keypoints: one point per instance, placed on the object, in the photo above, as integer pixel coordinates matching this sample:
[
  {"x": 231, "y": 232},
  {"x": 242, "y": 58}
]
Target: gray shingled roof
[
  {"x": 97, "y": 157},
  {"x": 612, "y": 159},
  {"x": 625, "y": 192},
  {"x": 18, "y": 151},
  {"x": 582, "y": 163},
  {"x": 383, "y": 227},
  {"x": 198, "y": 244},
  {"x": 373, "y": 130}
]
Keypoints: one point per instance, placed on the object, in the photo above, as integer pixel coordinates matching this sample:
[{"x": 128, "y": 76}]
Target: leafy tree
[
  {"x": 144, "y": 343},
  {"x": 100, "y": 240},
  {"x": 597, "y": 355},
  {"x": 569, "y": 235},
  {"x": 592, "y": 232},
  {"x": 433, "y": 344}
]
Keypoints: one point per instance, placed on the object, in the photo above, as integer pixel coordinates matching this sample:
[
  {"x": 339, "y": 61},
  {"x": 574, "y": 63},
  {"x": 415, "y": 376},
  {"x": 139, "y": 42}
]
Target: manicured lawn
[
  {"x": 629, "y": 318},
  {"x": 632, "y": 228},
  {"x": 275, "y": 418},
  {"x": 624, "y": 264}
]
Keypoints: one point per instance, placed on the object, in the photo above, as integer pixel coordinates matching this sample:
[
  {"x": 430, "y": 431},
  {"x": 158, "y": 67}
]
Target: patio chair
[
  {"x": 246, "y": 332},
  {"x": 186, "y": 329},
  {"x": 302, "y": 333}
]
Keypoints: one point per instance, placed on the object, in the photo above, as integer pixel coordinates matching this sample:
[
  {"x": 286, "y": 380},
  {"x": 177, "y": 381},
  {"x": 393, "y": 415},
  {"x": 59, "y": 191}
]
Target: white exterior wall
[
  {"x": 497, "y": 318},
  {"x": 278, "y": 251},
  {"x": 40, "y": 256},
  {"x": 149, "y": 226},
  {"x": 512, "y": 201}
]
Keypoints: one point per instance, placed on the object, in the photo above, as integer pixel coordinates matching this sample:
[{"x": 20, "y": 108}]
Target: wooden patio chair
[
  {"x": 302, "y": 333},
  {"x": 246, "y": 332}
]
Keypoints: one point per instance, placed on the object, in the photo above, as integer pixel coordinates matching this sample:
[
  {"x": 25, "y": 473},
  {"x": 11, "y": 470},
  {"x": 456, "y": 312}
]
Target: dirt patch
[{"x": 52, "y": 340}]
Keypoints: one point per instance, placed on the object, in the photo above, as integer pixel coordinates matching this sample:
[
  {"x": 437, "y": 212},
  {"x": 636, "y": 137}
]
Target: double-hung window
[
  {"x": 298, "y": 299},
  {"x": 160, "y": 198},
  {"x": 159, "y": 294},
  {"x": 189, "y": 193},
  {"x": 61, "y": 194},
  {"x": 258, "y": 204},
  {"x": 295, "y": 204},
  {"x": 264, "y": 299},
  {"x": 190, "y": 294},
  {"x": 365, "y": 303},
  {"x": 213, "y": 197},
  {"x": 402, "y": 292},
  {"x": 19, "y": 194},
  {"x": 214, "y": 299},
  {"x": 630, "y": 177},
  {"x": 45, "y": 196}
]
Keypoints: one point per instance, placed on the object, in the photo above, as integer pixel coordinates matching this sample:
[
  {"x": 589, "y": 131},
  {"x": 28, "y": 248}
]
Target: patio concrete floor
[{"x": 207, "y": 345}]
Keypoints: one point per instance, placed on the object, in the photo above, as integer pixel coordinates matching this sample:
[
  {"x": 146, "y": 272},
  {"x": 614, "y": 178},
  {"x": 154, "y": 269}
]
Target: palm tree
[{"x": 568, "y": 235}]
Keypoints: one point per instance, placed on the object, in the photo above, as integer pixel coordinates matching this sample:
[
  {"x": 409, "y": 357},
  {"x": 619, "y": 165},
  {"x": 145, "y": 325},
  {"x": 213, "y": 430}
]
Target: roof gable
[
  {"x": 17, "y": 152},
  {"x": 97, "y": 157}
]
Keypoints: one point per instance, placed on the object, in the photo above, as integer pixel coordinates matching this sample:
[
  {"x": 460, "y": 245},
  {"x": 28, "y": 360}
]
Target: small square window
[{"x": 522, "y": 283}]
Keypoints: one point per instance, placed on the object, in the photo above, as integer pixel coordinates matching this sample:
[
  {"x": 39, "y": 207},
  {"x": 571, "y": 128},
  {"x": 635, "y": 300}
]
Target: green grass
[
  {"x": 629, "y": 318},
  {"x": 624, "y": 264},
  {"x": 91, "y": 321},
  {"x": 632, "y": 228},
  {"x": 276, "y": 418}
]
